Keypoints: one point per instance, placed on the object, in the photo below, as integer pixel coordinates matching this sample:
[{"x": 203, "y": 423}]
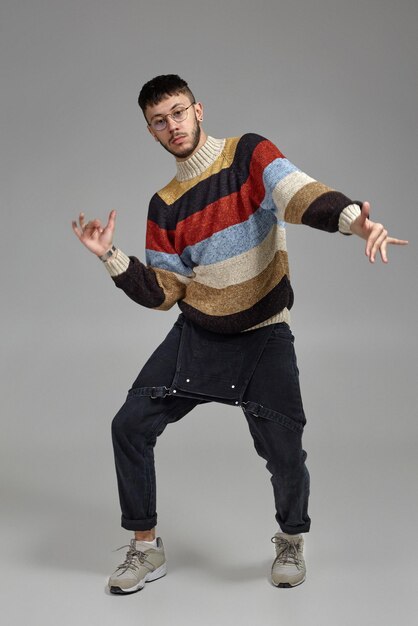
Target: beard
[{"x": 184, "y": 153}]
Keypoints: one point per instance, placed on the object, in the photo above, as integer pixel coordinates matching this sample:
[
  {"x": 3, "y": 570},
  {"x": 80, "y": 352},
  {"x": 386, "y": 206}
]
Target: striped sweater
[{"x": 216, "y": 242}]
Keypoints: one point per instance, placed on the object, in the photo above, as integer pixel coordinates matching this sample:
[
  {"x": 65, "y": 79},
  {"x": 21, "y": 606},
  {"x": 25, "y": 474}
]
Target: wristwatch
[{"x": 106, "y": 256}]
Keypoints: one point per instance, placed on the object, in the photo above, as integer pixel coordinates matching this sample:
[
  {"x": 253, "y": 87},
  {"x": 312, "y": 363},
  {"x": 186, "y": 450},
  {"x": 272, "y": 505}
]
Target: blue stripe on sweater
[
  {"x": 276, "y": 171},
  {"x": 272, "y": 175},
  {"x": 231, "y": 241},
  {"x": 166, "y": 261},
  {"x": 226, "y": 244}
]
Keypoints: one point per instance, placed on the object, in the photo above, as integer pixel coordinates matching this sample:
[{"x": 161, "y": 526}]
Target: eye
[
  {"x": 178, "y": 114},
  {"x": 158, "y": 123}
]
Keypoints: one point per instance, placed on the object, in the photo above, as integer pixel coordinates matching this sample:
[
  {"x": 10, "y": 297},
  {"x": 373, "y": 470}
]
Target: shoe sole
[
  {"x": 288, "y": 585},
  {"x": 148, "y": 578}
]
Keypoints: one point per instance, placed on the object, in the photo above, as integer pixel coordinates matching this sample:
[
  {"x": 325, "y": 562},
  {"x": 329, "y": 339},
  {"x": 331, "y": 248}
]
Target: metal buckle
[
  {"x": 256, "y": 411},
  {"x": 167, "y": 393}
]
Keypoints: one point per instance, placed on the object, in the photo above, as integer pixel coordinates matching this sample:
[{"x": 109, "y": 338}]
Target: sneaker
[
  {"x": 142, "y": 564},
  {"x": 288, "y": 569}
]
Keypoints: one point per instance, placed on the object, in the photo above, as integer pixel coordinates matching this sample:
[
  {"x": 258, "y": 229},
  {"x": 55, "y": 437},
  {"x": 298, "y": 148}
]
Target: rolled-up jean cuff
[
  {"x": 295, "y": 530},
  {"x": 139, "y": 524}
]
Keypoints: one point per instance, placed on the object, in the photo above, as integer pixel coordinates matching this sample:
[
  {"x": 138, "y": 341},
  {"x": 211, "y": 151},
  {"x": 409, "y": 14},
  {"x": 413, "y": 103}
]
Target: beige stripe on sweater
[
  {"x": 242, "y": 267},
  {"x": 286, "y": 189},
  {"x": 237, "y": 298}
]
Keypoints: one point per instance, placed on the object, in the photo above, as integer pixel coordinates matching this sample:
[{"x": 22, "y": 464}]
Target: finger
[
  {"x": 110, "y": 226},
  {"x": 383, "y": 252},
  {"x": 376, "y": 246},
  {"x": 375, "y": 232},
  {"x": 111, "y": 221},
  {"x": 397, "y": 242},
  {"x": 76, "y": 229},
  {"x": 92, "y": 233},
  {"x": 90, "y": 229},
  {"x": 93, "y": 224},
  {"x": 81, "y": 219}
]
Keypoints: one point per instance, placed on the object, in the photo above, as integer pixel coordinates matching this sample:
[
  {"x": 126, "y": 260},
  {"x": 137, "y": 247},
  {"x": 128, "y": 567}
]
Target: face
[{"x": 181, "y": 139}]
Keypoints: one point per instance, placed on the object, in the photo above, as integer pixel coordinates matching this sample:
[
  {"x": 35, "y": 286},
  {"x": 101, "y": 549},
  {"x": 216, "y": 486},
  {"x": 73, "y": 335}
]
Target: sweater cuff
[
  {"x": 347, "y": 216},
  {"x": 117, "y": 263}
]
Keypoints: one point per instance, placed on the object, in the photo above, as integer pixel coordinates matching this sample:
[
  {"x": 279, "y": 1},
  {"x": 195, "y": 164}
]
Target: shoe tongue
[
  {"x": 145, "y": 545},
  {"x": 288, "y": 537},
  {"x": 295, "y": 539}
]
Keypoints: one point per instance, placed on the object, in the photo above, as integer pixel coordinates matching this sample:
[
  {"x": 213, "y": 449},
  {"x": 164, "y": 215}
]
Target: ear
[{"x": 198, "y": 107}]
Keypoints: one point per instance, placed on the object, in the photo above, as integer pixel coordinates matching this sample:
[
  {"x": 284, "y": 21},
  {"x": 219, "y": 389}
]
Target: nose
[{"x": 171, "y": 124}]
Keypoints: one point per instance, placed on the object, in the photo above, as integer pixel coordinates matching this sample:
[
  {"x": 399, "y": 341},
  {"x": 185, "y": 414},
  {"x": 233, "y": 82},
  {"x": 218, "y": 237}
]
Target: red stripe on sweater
[
  {"x": 159, "y": 239},
  {"x": 225, "y": 212}
]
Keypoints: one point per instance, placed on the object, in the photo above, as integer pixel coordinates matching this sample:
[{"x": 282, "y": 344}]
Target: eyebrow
[{"x": 173, "y": 107}]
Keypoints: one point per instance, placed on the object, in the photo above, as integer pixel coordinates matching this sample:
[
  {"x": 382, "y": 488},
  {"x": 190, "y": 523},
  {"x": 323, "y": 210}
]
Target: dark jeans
[{"x": 272, "y": 406}]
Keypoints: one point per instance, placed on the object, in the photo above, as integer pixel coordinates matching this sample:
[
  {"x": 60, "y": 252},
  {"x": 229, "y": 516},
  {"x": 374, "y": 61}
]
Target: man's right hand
[{"x": 97, "y": 238}]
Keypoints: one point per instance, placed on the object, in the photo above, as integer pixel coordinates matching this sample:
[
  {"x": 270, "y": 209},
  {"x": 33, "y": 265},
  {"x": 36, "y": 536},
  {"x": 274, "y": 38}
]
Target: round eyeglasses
[{"x": 179, "y": 114}]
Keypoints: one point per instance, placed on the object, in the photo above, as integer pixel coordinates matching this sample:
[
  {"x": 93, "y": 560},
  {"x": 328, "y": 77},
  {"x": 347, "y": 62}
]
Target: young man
[{"x": 216, "y": 246}]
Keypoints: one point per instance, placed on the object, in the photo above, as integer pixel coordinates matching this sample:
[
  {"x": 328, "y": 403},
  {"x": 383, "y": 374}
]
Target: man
[{"x": 216, "y": 246}]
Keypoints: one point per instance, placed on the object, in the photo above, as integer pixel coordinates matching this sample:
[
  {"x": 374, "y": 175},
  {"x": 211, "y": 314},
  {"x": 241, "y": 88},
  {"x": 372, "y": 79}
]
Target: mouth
[{"x": 178, "y": 139}]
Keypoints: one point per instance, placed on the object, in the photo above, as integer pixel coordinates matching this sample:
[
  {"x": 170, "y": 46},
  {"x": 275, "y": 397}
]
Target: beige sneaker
[
  {"x": 142, "y": 564},
  {"x": 288, "y": 569}
]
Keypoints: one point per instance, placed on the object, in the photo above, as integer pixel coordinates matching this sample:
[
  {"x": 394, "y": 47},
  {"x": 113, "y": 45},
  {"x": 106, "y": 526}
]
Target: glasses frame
[{"x": 164, "y": 117}]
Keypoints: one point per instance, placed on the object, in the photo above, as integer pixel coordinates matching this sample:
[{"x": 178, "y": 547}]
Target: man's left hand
[{"x": 375, "y": 235}]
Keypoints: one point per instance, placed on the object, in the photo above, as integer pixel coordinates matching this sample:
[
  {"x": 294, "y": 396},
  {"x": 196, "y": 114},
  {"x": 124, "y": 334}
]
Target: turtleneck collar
[{"x": 200, "y": 160}]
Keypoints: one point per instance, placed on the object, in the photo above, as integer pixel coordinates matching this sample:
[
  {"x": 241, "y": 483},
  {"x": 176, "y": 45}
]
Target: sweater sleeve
[
  {"x": 151, "y": 287},
  {"x": 297, "y": 198},
  {"x": 159, "y": 283}
]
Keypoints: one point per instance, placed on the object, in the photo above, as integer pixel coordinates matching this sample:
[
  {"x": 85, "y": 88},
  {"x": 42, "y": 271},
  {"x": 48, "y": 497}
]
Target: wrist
[
  {"x": 117, "y": 263},
  {"x": 347, "y": 218},
  {"x": 107, "y": 256}
]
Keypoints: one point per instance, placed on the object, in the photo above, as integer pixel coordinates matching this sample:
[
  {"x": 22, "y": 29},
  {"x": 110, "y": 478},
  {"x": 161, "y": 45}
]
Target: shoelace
[
  {"x": 131, "y": 555},
  {"x": 287, "y": 551}
]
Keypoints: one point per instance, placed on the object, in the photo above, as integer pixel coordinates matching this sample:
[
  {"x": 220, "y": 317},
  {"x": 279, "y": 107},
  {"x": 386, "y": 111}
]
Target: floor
[{"x": 57, "y": 537}]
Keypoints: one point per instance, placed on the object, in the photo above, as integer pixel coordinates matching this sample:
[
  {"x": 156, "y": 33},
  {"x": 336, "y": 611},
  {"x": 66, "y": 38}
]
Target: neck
[{"x": 200, "y": 160}]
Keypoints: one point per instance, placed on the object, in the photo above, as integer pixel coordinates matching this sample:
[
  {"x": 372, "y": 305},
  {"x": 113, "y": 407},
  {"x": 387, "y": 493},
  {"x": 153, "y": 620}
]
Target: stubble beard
[{"x": 184, "y": 153}]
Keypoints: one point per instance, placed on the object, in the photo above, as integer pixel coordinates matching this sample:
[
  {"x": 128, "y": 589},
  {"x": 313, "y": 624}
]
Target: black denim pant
[{"x": 273, "y": 409}]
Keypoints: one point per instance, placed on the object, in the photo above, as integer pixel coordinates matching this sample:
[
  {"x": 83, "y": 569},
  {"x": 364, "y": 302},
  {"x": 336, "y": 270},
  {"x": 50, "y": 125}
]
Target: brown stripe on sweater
[
  {"x": 302, "y": 200},
  {"x": 277, "y": 299},
  {"x": 174, "y": 289},
  {"x": 236, "y": 298}
]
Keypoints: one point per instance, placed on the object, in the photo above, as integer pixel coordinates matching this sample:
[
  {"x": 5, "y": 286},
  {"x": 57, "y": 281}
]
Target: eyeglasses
[{"x": 178, "y": 115}]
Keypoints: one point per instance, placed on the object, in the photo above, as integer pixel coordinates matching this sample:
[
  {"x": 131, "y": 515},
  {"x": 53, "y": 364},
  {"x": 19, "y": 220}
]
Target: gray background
[{"x": 334, "y": 84}]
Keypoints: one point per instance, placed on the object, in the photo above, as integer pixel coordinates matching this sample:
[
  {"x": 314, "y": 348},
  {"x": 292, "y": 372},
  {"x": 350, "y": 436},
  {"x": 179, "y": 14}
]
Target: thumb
[{"x": 365, "y": 212}]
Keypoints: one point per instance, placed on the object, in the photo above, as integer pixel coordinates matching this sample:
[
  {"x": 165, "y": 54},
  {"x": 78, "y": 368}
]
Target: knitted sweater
[{"x": 216, "y": 243}]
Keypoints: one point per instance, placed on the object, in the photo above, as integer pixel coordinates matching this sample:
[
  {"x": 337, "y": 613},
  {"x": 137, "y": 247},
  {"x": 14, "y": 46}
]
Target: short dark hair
[{"x": 160, "y": 87}]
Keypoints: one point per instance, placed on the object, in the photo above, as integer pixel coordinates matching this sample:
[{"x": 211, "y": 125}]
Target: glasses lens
[
  {"x": 179, "y": 115},
  {"x": 159, "y": 124}
]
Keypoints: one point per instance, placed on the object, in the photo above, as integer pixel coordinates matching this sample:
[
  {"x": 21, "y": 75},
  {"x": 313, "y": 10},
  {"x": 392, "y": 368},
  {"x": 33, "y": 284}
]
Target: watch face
[
  {"x": 111, "y": 251},
  {"x": 108, "y": 254}
]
